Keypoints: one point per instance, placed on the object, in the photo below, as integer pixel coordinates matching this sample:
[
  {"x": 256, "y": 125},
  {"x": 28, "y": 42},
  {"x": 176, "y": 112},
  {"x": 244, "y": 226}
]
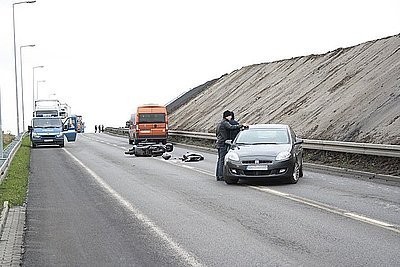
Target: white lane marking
[
  {"x": 308, "y": 202},
  {"x": 181, "y": 252},
  {"x": 331, "y": 209},
  {"x": 369, "y": 220}
]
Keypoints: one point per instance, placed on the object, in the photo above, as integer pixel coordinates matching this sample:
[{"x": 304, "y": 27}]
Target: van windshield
[
  {"x": 46, "y": 122},
  {"x": 151, "y": 118}
]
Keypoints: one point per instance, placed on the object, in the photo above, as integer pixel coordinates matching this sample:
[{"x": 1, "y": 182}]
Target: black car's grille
[
  {"x": 255, "y": 172},
  {"x": 254, "y": 162},
  {"x": 260, "y": 173}
]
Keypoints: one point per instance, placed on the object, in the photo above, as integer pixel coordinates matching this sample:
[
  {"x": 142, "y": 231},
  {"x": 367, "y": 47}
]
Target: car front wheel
[{"x": 296, "y": 173}]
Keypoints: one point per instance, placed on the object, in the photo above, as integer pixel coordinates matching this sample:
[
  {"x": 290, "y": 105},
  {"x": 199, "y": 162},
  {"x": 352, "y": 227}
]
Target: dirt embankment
[{"x": 350, "y": 94}]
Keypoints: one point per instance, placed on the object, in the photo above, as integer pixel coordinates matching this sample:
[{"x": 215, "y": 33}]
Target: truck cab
[{"x": 51, "y": 131}]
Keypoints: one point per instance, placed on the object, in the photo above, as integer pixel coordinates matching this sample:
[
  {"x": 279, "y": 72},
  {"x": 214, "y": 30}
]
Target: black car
[{"x": 267, "y": 151}]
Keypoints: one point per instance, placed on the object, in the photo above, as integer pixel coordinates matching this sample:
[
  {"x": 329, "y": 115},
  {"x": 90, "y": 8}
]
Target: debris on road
[
  {"x": 149, "y": 149},
  {"x": 191, "y": 157}
]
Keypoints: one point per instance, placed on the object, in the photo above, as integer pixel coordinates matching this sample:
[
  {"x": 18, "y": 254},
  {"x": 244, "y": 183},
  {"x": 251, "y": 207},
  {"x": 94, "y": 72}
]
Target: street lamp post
[
  {"x": 22, "y": 85},
  {"x": 33, "y": 86},
  {"x": 37, "y": 87},
  {"x": 15, "y": 60}
]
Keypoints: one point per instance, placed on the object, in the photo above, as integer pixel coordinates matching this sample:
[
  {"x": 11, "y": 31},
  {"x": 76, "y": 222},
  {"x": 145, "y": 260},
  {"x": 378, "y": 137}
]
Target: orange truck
[{"x": 149, "y": 124}]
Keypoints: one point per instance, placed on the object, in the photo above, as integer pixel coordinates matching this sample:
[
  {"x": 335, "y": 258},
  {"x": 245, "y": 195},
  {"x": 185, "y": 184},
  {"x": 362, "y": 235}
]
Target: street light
[
  {"x": 33, "y": 86},
  {"x": 22, "y": 85},
  {"x": 37, "y": 87},
  {"x": 15, "y": 60}
]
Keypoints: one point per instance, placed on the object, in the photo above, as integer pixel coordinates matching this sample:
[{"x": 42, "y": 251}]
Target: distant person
[
  {"x": 223, "y": 131},
  {"x": 95, "y": 129},
  {"x": 102, "y": 128},
  {"x": 233, "y": 133}
]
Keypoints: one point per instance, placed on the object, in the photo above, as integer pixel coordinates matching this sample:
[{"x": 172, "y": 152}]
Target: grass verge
[{"x": 14, "y": 187}]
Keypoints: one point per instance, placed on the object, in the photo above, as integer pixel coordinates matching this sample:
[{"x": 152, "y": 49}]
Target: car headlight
[
  {"x": 232, "y": 156},
  {"x": 35, "y": 135},
  {"x": 60, "y": 135},
  {"x": 283, "y": 155}
]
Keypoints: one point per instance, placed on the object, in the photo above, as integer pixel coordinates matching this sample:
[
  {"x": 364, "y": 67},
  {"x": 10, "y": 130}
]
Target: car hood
[{"x": 270, "y": 150}]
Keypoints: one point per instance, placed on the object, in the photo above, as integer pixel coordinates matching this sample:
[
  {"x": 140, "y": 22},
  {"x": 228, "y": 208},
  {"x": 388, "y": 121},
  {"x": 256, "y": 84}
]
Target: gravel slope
[{"x": 350, "y": 94}]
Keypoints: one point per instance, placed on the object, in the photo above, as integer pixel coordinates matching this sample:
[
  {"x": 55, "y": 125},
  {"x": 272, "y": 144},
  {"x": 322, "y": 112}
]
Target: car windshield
[
  {"x": 263, "y": 136},
  {"x": 47, "y": 122}
]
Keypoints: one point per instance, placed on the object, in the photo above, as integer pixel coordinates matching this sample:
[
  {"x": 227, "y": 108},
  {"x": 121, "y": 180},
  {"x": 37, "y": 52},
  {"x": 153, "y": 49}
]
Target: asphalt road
[{"x": 89, "y": 204}]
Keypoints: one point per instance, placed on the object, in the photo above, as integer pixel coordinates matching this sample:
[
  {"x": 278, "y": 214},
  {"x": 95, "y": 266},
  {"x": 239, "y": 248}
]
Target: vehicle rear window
[
  {"x": 263, "y": 136},
  {"x": 151, "y": 118},
  {"x": 46, "y": 122}
]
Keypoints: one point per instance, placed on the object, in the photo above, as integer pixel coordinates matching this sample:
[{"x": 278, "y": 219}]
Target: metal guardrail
[
  {"x": 8, "y": 154},
  {"x": 325, "y": 145}
]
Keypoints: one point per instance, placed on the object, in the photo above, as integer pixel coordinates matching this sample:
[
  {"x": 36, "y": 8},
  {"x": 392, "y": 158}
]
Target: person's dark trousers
[{"x": 220, "y": 163}]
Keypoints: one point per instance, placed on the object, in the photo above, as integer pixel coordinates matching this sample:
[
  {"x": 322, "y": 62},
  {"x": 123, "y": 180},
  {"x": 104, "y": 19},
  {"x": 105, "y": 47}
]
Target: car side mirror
[
  {"x": 65, "y": 127},
  {"x": 230, "y": 144}
]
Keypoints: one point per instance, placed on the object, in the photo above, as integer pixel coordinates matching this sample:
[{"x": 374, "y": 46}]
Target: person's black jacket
[
  {"x": 223, "y": 132},
  {"x": 234, "y": 132}
]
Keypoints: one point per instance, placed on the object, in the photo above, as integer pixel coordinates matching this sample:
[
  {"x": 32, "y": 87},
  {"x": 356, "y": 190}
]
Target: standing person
[
  {"x": 233, "y": 133},
  {"x": 95, "y": 129},
  {"x": 102, "y": 128},
  {"x": 223, "y": 131}
]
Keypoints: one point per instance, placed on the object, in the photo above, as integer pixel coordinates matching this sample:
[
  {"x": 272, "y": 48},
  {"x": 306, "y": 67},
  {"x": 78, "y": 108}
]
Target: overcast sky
[{"x": 104, "y": 58}]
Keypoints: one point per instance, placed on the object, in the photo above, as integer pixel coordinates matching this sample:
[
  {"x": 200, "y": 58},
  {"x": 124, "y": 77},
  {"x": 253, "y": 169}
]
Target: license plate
[
  {"x": 258, "y": 168},
  {"x": 48, "y": 140}
]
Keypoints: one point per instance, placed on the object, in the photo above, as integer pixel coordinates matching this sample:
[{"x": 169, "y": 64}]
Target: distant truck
[
  {"x": 65, "y": 110},
  {"x": 149, "y": 124},
  {"x": 47, "y": 108},
  {"x": 51, "y": 131}
]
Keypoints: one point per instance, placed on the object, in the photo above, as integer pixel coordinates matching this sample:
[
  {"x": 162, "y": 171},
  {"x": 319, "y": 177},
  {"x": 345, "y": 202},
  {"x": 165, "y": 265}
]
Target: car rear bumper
[{"x": 277, "y": 169}]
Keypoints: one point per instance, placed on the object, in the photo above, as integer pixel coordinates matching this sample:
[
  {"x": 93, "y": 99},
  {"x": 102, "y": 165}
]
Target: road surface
[{"x": 89, "y": 204}]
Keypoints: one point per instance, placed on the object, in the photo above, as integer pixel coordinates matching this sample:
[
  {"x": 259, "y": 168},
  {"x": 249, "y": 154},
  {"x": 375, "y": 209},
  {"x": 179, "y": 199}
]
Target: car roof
[{"x": 268, "y": 126}]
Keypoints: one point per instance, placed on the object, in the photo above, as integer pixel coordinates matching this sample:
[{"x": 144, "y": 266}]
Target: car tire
[
  {"x": 34, "y": 145},
  {"x": 62, "y": 145},
  {"x": 231, "y": 180},
  {"x": 301, "y": 171},
  {"x": 130, "y": 142},
  {"x": 294, "y": 178}
]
